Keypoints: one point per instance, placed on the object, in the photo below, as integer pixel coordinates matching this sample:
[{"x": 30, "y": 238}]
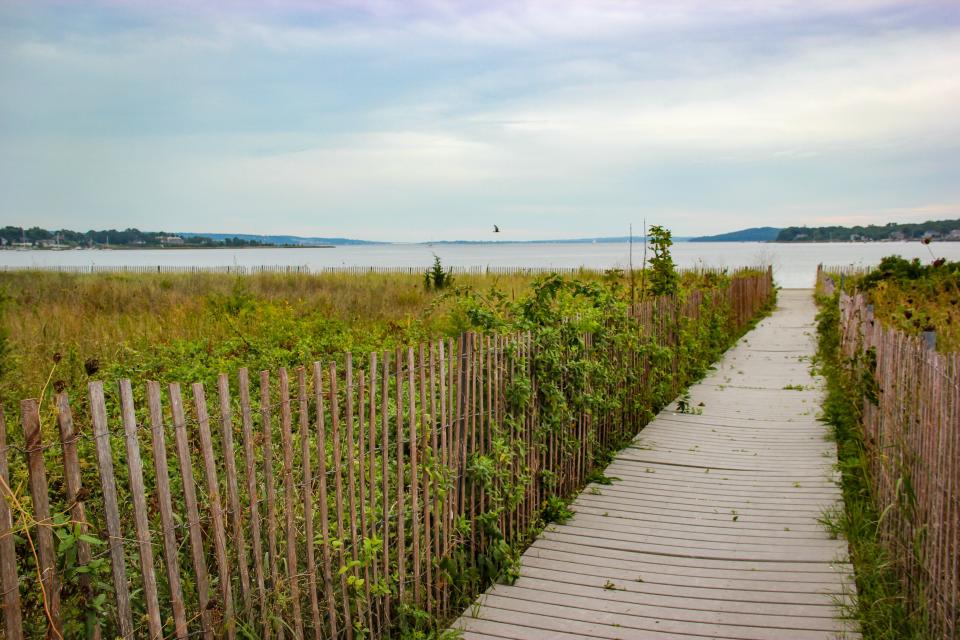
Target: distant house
[
  {"x": 931, "y": 235},
  {"x": 898, "y": 235},
  {"x": 800, "y": 236},
  {"x": 171, "y": 241},
  {"x": 953, "y": 235}
]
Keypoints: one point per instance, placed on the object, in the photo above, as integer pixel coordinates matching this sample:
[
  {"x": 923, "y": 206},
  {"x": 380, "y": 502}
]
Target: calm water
[{"x": 794, "y": 265}]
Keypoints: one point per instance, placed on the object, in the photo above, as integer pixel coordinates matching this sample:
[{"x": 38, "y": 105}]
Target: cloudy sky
[{"x": 432, "y": 119}]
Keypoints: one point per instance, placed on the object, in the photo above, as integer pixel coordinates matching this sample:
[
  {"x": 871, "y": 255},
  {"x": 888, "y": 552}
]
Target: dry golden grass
[{"x": 120, "y": 318}]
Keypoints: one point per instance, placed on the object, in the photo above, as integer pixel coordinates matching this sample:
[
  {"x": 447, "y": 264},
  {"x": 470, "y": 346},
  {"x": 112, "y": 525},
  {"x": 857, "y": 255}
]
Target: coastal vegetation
[
  {"x": 550, "y": 374},
  {"x": 892, "y": 402},
  {"x": 937, "y": 229},
  {"x": 914, "y": 297}
]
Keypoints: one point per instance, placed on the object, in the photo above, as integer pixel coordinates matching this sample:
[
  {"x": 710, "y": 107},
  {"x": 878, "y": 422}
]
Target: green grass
[
  {"x": 882, "y": 605},
  {"x": 914, "y": 297}
]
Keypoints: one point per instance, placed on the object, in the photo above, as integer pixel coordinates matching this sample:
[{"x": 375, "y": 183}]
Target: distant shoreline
[{"x": 185, "y": 247}]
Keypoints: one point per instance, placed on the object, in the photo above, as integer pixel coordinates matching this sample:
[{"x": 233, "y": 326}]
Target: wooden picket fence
[
  {"x": 911, "y": 427},
  {"x": 331, "y": 501}
]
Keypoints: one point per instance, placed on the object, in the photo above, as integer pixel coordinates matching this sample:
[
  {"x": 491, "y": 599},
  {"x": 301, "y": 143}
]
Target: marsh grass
[{"x": 185, "y": 326}]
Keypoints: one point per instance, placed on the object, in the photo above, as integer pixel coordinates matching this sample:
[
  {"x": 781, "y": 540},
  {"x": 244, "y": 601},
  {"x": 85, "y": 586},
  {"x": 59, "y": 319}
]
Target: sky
[{"x": 434, "y": 120}]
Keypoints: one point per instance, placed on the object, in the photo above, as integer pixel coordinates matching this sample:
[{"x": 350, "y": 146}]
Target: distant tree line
[
  {"x": 942, "y": 229},
  {"x": 35, "y": 236}
]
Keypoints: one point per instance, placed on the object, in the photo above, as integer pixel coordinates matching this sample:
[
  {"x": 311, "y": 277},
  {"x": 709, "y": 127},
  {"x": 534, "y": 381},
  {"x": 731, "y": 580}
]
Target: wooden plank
[
  {"x": 385, "y": 476},
  {"x": 401, "y": 506},
  {"x": 433, "y": 497},
  {"x": 338, "y": 487},
  {"x": 308, "y": 515},
  {"x": 324, "y": 504},
  {"x": 266, "y": 433},
  {"x": 425, "y": 571},
  {"x": 74, "y": 488},
  {"x": 141, "y": 522},
  {"x": 362, "y": 490},
  {"x": 289, "y": 493},
  {"x": 108, "y": 484},
  {"x": 233, "y": 493},
  {"x": 40, "y": 496},
  {"x": 197, "y": 552},
  {"x": 171, "y": 555},
  {"x": 216, "y": 511},
  {"x": 414, "y": 478},
  {"x": 250, "y": 468},
  {"x": 374, "y": 564},
  {"x": 446, "y": 440},
  {"x": 9, "y": 581},
  {"x": 351, "y": 473}
]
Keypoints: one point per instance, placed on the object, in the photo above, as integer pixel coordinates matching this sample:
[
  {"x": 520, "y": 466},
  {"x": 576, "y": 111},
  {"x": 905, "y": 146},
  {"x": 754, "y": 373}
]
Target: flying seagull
[{"x": 496, "y": 229}]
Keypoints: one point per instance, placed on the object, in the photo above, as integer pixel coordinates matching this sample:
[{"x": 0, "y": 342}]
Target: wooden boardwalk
[{"x": 710, "y": 528}]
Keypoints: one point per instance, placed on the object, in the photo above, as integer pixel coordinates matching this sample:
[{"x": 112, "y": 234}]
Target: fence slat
[
  {"x": 108, "y": 483},
  {"x": 338, "y": 485},
  {"x": 324, "y": 505},
  {"x": 9, "y": 582},
  {"x": 139, "y": 497},
  {"x": 216, "y": 510},
  {"x": 385, "y": 473},
  {"x": 165, "y": 505},
  {"x": 401, "y": 506},
  {"x": 250, "y": 471},
  {"x": 233, "y": 491},
  {"x": 362, "y": 490},
  {"x": 308, "y": 515},
  {"x": 414, "y": 476},
  {"x": 372, "y": 482},
  {"x": 74, "y": 487},
  {"x": 351, "y": 472},
  {"x": 266, "y": 432},
  {"x": 197, "y": 553},
  {"x": 39, "y": 494},
  {"x": 286, "y": 435}
]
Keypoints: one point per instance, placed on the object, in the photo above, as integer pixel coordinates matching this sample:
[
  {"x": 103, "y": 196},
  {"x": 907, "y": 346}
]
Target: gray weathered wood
[
  {"x": 171, "y": 555},
  {"x": 289, "y": 494},
  {"x": 250, "y": 473},
  {"x": 40, "y": 496},
  {"x": 216, "y": 511},
  {"x": 139, "y": 497},
  {"x": 108, "y": 484},
  {"x": 324, "y": 508},
  {"x": 197, "y": 552},
  {"x": 9, "y": 582},
  {"x": 233, "y": 491},
  {"x": 74, "y": 487}
]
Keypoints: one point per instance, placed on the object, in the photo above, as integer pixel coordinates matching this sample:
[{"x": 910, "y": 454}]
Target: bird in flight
[{"x": 496, "y": 229}]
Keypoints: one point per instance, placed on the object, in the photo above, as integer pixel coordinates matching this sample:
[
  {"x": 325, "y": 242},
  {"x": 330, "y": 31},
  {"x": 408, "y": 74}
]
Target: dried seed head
[{"x": 91, "y": 366}]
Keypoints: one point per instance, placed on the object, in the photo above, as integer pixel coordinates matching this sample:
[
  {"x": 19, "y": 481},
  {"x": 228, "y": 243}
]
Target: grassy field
[
  {"x": 915, "y": 297},
  {"x": 62, "y": 329}
]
